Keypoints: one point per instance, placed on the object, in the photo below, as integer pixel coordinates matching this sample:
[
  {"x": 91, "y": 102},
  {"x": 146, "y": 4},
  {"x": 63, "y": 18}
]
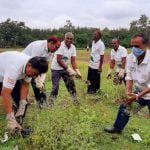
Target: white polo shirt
[
  {"x": 140, "y": 74},
  {"x": 97, "y": 50},
  {"x": 12, "y": 68},
  {"x": 66, "y": 56},
  {"x": 38, "y": 48},
  {"x": 117, "y": 56}
]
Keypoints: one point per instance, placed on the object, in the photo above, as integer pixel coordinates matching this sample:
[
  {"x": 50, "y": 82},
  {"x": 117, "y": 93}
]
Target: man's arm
[
  {"x": 60, "y": 62},
  {"x": 112, "y": 64},
  {"x": 73, "y": 62},
  {"x": 6, "y": 99},
  {"x": 24, "y": 90},
  {"x": 145, "y": 91},
  {"x": 123, "y": 62},
  {"x": 101, "y": 62}
]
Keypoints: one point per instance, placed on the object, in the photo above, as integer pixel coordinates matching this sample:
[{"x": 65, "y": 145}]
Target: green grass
[{"x": 66, "y": 126}]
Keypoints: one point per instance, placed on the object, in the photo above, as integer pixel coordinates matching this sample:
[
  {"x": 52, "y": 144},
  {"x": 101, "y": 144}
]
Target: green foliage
[
  {"x": 14, "y": 33},
  {"x": 66, "y": 126}
]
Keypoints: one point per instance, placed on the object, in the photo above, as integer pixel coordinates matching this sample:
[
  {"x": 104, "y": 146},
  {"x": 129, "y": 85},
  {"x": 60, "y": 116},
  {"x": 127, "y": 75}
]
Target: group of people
[{"x": 18, "y": 69}]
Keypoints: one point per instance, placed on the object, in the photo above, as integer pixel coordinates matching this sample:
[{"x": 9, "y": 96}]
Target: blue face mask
[{"x": 137, "y": 51}]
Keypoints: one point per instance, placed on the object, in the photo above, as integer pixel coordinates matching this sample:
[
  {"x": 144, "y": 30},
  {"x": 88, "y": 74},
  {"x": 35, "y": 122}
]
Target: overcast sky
[{"x": 90, "y": 13}]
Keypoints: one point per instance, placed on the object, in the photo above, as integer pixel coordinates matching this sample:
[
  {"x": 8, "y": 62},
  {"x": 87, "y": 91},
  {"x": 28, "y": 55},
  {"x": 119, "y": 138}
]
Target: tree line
[{"x": 17, "y": 34}]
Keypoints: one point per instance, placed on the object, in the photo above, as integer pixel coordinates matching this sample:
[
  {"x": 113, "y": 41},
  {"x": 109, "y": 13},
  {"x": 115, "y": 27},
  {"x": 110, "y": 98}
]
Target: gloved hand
[
  {"x": 39, "y": 81},
  {"x": 21, "y": 109},
  {"x": 71, "y": 71},
  {"x": 121, "y": 73},
  {"x": 109, "y": 74},
  {"x": 12, "y": 124},
  {"x": 78, "y": 74}
]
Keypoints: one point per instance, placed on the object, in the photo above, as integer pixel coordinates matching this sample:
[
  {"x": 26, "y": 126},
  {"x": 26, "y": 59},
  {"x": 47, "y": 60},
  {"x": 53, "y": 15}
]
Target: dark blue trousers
[{"x": 123, "y": 116}]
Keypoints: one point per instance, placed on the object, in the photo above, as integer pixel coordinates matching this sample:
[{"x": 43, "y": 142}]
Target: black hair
[
  {"x": 145, "y": 39},
  {"x": 39, "y": 63},
  {"x": 117, "y": 40},
  {"x": 99, "y": 33}
]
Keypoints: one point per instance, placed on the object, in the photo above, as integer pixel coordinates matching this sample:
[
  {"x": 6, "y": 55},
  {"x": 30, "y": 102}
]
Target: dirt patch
[{"x": 86, "y": 59}]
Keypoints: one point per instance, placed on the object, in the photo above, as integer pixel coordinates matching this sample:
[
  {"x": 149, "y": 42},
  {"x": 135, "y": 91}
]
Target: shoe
[
  {"x": 26, "y": 132},
  {"x": 112, "y": 130}
]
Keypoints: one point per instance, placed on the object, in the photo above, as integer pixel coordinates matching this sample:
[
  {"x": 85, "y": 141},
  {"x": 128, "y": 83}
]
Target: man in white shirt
[
  {"x": 95, "y": 64},
  {"x": 137, "y": 81},
  {"x": 16, "y": 72},
  {"x": 43, "y": 48},
  {"x": 65, "y": 55},
  {"x": 118, "y": 57}
]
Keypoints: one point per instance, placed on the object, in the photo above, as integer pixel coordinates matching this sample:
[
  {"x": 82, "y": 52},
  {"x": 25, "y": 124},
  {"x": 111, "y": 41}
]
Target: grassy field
[{"x": 68, "y": 127}]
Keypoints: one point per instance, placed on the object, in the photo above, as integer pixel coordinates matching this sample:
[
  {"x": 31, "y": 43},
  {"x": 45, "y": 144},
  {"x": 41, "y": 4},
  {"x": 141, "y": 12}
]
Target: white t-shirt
[
  {"x": 38, "y": 48},
  {"x": 66, "y": 56},
  {"x": 97, "y": 50},
  {"x": 12, "y": 68},
  {"x": 140, "y": 74},
  {"x": 118, "y": 55}
]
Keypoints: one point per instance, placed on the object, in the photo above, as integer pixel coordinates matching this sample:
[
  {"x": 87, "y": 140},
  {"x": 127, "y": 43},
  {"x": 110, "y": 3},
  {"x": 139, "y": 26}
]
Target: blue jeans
[{"x": 123, "y": 117}]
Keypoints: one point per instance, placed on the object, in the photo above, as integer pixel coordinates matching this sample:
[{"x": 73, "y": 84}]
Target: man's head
[
  {"x": 97, "y": 35},
  {"x": 68, "y": 39},
  {"x": 139, "y": 43},
  {"x": 115, "y": 43},
  {"x": 53, "y": 43},
  {"x": 36, "y": 66}
]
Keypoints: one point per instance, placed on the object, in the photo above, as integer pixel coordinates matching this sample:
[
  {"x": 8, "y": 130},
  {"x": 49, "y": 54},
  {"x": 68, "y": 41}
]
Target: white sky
[{"x": 90, "y": 13}]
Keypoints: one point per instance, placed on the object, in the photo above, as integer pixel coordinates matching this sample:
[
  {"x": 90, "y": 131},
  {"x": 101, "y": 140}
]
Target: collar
[
  {"x": 66, "y": 45},
  {"x": 146, "y": 58}
]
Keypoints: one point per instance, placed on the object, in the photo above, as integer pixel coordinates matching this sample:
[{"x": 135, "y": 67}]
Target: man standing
[
  {"x": 16, "y": 70},
  {"x": 43, "y": 48},
  {"x": 95, "y": 64},
  {"x": 137, "y": 81},
  {"x": 118, "y": 56},
  {"x": 60, "y": 68}
]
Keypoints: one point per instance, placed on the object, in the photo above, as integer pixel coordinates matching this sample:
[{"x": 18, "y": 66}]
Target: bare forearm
[
  {"x": 112, "y": 64},
  {"x": 129, "y": 84},
  {"x": 24, "y": 91},
  {"x": 6, "y": 99},
  {"x": 101, "y": 61},
  {"x": 123, "y": 62},
  {"x": 73, "y": 63},
  {"x": 145, "y": 91}
]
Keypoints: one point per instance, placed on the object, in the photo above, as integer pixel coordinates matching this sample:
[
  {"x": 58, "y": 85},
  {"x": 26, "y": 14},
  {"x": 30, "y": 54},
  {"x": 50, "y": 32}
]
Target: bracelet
[{"x": 137, "y": 96}]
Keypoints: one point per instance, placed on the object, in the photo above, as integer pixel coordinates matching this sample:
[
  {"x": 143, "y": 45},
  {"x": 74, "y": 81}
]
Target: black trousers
[
  {"x": 94, "y": 77},
  {"x": 39, "y": 95},
  {"x": 15, "y": 92},
  {"x": 16, "y": 95}
]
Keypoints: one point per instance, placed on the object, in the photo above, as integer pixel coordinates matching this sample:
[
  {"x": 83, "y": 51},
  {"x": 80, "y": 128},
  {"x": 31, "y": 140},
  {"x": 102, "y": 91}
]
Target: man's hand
[
  {"x": 71, "y": 71},
  {"x": 99, "y": 70},
  {"x": 78, "y": 74},
  {"x": 39, "y": 81},
  {"x": 121, "y": 73},
  {"x": 109, "y": 74},
  {"x": 131, "y": 97}
]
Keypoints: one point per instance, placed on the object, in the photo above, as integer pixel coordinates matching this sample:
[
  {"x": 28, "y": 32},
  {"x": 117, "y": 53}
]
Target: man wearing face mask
[
  {"x": 118, "y": 57},
  {"x": 137, "y": 81}
]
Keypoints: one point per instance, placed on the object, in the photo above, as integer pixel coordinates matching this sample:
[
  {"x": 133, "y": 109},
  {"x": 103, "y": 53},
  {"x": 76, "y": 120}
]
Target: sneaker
[{"x": 112, "y": 130}]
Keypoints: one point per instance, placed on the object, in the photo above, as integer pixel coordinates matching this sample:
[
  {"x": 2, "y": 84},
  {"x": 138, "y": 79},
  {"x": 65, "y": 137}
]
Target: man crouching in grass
[{"x": 138, "y": 76}]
